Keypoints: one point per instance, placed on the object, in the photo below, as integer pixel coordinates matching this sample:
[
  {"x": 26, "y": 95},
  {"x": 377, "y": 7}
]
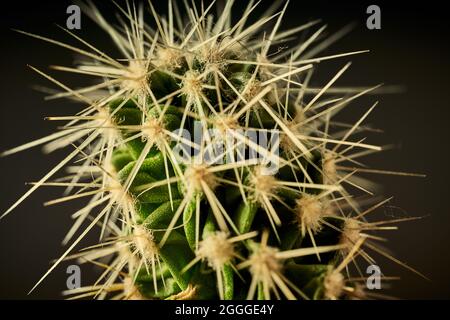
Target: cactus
[{"x": 223, "y": 215}]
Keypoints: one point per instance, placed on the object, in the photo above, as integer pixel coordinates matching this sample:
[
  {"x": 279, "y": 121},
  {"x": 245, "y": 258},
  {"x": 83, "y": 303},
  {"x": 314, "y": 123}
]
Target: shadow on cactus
[{"x": 211, "y": 167}]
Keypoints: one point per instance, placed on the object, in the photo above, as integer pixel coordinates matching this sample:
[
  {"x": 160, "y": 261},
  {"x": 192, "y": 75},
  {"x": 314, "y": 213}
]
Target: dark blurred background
[{"x": 411, "y": 50}]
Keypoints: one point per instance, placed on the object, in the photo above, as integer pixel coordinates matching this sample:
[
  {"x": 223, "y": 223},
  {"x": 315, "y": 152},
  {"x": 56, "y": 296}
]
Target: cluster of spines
[{"x": 172, "y": 229}]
